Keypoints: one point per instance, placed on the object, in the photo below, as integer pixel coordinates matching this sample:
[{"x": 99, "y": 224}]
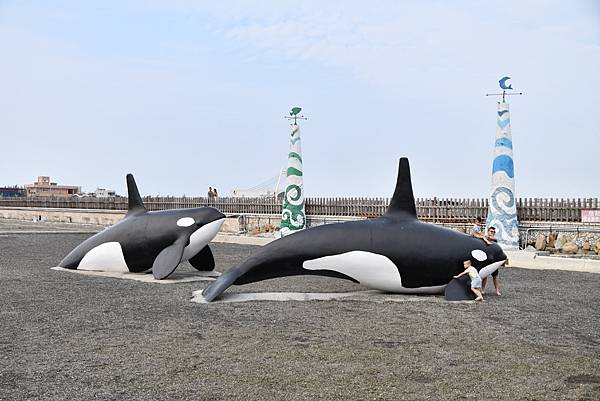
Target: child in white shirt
[{"x": 475, "y": 279}]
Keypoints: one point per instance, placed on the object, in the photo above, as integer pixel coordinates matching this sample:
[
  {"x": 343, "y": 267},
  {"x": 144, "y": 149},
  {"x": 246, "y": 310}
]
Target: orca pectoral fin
[
  {"x": 203, "y": 260},
  {"x": 459, "y": 289},
  {"x": 167, "y": 260}
]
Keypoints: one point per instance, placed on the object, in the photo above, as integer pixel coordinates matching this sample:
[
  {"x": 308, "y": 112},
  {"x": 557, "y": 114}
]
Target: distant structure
[
  {"x": 43, "y": 187},
  {"x": 502, "y": 212},
  {"x": 293, "y": 217},
  {"x": 267, "y": 189},
  {"x": 104, "y": 193},
  {"x": 12, "y": 192}
]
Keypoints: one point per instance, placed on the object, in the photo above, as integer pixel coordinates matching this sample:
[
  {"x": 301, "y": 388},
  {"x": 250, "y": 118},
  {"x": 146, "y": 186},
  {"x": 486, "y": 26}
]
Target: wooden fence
[{"x": 432, "y": 210}]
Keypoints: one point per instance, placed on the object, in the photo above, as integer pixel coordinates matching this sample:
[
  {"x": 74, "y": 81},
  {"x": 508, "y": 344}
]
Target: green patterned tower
[{"x": 293, "y": 217}]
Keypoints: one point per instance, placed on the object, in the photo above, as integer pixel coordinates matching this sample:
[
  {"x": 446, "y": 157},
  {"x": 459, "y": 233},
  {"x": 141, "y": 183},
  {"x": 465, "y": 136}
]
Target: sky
[{"x": 191, "y": 94}]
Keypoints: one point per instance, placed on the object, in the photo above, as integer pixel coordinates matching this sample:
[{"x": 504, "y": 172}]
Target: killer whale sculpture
[
  {"x": 146, "y": 240},
  {"x": 394, "y": 253}
]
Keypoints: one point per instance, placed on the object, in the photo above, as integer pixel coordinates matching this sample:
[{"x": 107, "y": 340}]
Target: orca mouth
[
  {"x": 213, "y": 227},
  {"x": 489, "y": 269},
  {"x": 209, "y": 217},
  {"x": 208, "y": 230}
]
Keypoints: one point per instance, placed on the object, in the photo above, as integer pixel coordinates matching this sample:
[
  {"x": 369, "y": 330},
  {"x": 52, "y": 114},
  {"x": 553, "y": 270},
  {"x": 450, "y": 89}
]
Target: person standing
[
  {"x": 211, "y": 194},
  {"x": 491, "y": 237},
  {"x": 215, "y": 193},
  {"x": 477, "y": 232}
]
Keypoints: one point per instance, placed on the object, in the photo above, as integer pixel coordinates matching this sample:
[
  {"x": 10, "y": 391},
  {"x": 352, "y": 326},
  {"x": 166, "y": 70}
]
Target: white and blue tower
[{"x": 502, "y": 212}]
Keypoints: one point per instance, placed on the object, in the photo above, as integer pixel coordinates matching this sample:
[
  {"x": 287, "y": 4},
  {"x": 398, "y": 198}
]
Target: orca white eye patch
[
  {"x": 185, "y": 222},
  {"x": 479, "y": 254}
]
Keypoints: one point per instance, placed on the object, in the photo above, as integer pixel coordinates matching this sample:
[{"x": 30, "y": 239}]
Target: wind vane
[
  {"x": 294, "y": 115},
  {"x": 504, "y": 87}
]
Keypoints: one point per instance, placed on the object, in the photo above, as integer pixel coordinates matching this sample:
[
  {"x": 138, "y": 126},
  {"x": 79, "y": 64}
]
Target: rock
[
  {"x": 570, "y": 248},
  {"x": 530, "y": 249},
  {"x": 560, "y": 241},
  {"x": 551, "y": 249},
  {"x": 586, "y": 247},
  {"x": 540, "y": 242},
  {"x": 551, "y": 240},
  {"x": 597, "y": 247}
]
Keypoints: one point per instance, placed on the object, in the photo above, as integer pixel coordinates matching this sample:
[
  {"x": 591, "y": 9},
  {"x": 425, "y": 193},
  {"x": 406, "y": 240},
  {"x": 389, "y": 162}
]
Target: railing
[{"x": 433, "y": 210}]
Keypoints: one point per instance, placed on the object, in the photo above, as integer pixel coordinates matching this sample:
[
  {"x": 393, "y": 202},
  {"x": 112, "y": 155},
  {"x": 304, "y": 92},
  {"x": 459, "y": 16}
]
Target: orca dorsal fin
[
  {"x": 402, "y": 204},
  {"x": 136, "y": 206}
]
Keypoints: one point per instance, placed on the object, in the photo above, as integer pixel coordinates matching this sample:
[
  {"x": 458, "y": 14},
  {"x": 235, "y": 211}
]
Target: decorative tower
[
  {"x": 293, "y": 217},
  {"x": 502, "y": 213}
]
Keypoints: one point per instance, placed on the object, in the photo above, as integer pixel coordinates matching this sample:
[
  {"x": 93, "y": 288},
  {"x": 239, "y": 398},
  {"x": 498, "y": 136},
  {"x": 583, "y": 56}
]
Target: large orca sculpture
[
  {"x": 150, "y": 240},
  {"x": 395, "y": 253}
]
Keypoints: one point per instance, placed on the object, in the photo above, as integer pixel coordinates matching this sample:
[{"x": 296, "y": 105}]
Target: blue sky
[{"x": 187, "y": 94}]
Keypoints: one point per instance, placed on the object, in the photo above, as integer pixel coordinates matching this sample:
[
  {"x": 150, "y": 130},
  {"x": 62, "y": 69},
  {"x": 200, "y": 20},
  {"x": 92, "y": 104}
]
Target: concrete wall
[
  {"x": 256, "y": 224},
  {"x": 253, "y": 224},
  {"x": 531, "y": 260},
  {"x": 85, "y": 216},
  {"x": 250, "y": 224},
  {"x": 267, "y": 223},
  {"x": 79, "y": 216}
]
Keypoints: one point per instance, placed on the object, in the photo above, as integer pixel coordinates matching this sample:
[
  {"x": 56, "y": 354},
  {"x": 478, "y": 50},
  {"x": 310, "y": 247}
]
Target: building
[
  {"x": 12, "y": 192},
  {"x": 43, "y": 187},
  {"x": 104, "y": 193}
]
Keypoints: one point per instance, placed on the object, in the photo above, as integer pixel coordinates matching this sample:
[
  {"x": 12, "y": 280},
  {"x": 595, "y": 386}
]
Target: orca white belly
[
  {"x": 370, "y": 269},
  {"x": 106, "y": 257}
]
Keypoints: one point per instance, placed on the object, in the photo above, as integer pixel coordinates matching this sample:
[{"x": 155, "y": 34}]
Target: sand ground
[{"x": 66, "y": 336}]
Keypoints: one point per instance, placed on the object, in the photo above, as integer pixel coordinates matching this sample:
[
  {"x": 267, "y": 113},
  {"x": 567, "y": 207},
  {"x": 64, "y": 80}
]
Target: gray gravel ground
[{"x": 65, "y": 336}]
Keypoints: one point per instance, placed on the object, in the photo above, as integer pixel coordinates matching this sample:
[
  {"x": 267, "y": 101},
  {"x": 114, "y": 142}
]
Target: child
[{"x": 475, "y": 279}]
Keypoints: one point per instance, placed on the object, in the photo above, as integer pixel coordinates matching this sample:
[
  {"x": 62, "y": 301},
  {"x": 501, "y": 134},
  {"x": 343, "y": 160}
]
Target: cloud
[
  {"x": 377, "y": 80},
  {"x": 417, "y": 49}
]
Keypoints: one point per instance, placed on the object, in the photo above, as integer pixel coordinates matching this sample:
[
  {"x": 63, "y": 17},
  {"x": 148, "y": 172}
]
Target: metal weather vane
[
  {"x": 294, "y": 115},
  {"x": 504, "y": 88}
]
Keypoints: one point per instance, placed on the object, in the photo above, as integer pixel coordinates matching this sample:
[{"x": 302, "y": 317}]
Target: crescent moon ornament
[{"x": 503, "y": 85}]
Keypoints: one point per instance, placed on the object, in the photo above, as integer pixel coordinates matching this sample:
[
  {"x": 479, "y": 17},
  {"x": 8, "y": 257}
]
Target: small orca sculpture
[
  {"x": 150, "y": 240},
  {"x": 395, "y": 253}
]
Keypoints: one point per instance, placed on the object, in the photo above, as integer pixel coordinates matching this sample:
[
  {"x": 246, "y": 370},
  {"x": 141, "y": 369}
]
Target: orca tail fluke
[
  {"x": 403, "y": 200},
  {"x": 136, "y": 205},
  {"x": 218, "y": 287}
]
